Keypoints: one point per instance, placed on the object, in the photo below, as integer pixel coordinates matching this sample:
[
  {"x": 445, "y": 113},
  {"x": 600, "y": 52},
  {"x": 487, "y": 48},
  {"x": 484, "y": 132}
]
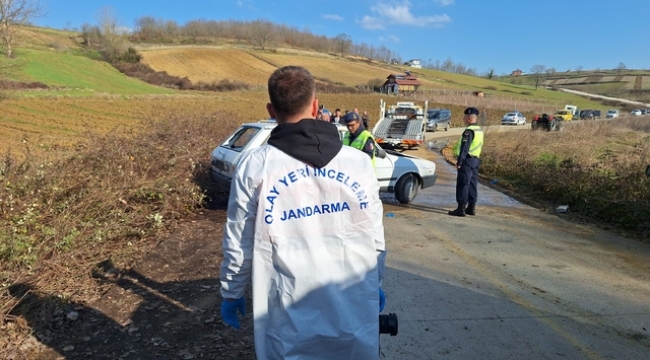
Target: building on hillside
[
  {"x": 517, "y": 72},
  {"x": 414, "y": 63},
  {"x": 400, "y": 84}
]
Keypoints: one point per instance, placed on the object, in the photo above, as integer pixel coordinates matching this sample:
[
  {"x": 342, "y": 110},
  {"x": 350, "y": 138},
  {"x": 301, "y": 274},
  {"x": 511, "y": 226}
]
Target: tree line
[{"x": 261, "y": 34}]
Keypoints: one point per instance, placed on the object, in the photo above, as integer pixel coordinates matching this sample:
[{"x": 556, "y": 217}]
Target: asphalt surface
[{"x": 513, "y": 282}]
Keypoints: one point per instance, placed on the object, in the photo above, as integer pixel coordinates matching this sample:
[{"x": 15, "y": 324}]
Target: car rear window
[{"x": 241, "y": 138}]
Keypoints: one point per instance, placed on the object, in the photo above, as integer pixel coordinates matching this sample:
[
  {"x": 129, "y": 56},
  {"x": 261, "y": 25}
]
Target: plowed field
[
  {"x": 209, "y": 65},
  {"x": 60, "y": 121}
]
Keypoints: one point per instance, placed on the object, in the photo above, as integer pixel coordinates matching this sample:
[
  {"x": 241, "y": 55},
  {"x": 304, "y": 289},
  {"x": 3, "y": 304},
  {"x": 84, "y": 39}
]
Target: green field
[{"x": 75, "y": 74}]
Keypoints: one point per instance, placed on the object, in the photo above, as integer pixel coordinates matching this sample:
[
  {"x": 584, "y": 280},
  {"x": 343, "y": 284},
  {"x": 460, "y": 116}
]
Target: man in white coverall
[{"x": 305, "y": 221}]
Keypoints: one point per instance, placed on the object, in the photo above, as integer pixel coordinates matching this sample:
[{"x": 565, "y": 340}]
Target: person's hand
[
  {"x": 382, "y": 300},
  {"x": 229, "y": 309},
  {"x": 457, "y": 167}
]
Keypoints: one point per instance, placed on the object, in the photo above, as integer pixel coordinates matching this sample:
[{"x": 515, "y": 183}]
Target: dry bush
[
  {"x": 17, "y": 85},
  {"x": 223, "y": 85},
  {"x": 148, "y": 75},
  {"x": 60, "y": 215},
  {"x": 329, "y": 88},
  {"x": 595, "y": 168}
]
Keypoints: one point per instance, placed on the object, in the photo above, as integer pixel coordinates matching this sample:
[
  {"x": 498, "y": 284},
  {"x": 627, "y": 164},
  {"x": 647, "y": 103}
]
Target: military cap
[
  {"x": 350, "y": 117},
  {"x": 471, "y": 111}
]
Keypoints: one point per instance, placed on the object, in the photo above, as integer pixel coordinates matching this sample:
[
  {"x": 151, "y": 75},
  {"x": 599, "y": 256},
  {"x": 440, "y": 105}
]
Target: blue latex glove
[
  {"x": 229, "y": 311},
  {"x": 382, "y": 300}
]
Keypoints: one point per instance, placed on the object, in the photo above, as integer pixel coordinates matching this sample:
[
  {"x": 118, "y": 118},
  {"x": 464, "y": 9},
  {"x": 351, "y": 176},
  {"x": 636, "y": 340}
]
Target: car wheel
[
  {"x": 447, "y": 127},
  {"x": 406, "y": 188}
]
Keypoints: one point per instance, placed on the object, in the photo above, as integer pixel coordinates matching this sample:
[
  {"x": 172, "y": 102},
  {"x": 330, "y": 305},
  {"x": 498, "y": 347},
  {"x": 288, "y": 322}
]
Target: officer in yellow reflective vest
[
  {"x": 358, "y": 137},
  {"x": 468, "y": 152}
]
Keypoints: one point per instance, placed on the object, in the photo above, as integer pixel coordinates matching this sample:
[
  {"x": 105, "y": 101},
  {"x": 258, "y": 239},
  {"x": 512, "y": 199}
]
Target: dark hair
[{"x": 291, "y": 90}]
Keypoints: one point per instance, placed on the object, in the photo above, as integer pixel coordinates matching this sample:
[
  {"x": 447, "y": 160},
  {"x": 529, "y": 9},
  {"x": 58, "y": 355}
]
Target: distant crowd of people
[{"x": 337, "y": 117}]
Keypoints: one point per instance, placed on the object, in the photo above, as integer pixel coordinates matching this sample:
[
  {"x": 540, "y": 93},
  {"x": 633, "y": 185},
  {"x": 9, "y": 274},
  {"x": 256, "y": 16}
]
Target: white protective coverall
[{"x": 313, "y": 241}]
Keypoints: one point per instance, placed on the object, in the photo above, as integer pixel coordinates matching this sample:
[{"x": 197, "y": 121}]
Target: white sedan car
[
  {"x": 513, "y": 118},
  {"x": 397, "y": 173}
]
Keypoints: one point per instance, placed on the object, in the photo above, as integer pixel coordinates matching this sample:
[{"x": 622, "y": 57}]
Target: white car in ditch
[{"x": 397, "y": 173}]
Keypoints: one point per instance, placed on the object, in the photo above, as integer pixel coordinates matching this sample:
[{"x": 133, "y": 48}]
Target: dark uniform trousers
[{"x": 467, "y": 181}]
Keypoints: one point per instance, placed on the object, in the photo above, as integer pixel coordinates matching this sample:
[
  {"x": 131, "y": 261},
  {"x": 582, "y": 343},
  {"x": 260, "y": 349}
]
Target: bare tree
[
  {"x": 621, "y": 67},
  {"x": 14, "y": 13},
  {"x": 111, "y": 30},
  {"x": 91, "y": 35},
  {"x": 262, "y": 34},
  {"x": 343, "y": 43},
  {"x": 579, "y": 69},
  {"x": 538, "y": 73}
]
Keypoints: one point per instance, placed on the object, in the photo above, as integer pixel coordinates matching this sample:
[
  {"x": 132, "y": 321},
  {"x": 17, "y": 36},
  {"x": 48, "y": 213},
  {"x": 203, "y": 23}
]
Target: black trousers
[{"x": 467, "y": 182}]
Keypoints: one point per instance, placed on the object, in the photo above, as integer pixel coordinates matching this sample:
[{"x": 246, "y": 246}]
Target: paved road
[{"x": 514, "y": 282}]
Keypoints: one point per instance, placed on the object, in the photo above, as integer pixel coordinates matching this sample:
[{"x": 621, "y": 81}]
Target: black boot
[
  {"x": 460, "y": 211},
  {"x": 471, "y": 210}
]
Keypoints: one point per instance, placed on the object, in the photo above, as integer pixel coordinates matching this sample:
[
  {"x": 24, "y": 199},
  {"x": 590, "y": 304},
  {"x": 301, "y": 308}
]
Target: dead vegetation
[
  {"x": 597, "y": 168},
  {"x": 62, "y": 213}
]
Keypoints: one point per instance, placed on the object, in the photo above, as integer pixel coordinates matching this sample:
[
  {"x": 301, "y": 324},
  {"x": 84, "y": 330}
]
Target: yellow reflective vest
[
  {"x": 360, "y": 141},
  {"x": 477, "y": 142}
]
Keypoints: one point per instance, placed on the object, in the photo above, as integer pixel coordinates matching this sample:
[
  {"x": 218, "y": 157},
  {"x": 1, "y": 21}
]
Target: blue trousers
[{"x": 467, "y": 182}]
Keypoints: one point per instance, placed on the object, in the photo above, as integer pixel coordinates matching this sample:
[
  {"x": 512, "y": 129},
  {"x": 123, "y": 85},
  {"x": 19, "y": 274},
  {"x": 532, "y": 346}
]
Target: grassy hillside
[
  {"x": 98, "y": 98},
  {"x": 628, "y": 84},
  {"x": 77, "y": 74},
  {"x": 210, "y": 64},
  {"x": 57, "y": 59}
]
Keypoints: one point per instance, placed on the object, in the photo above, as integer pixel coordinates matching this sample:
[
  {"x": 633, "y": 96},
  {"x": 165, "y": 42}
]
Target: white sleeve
[
  {"x": 377, "y": 209},
  {"x": 238, "y": 240}
]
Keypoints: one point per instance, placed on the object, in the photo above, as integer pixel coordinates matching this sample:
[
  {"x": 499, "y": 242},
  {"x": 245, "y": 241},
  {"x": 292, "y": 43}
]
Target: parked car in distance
[
  {"x": 566, "y": 115},
  {"x": 513, "y": 118},
  {"x": 438, "y": 119},
  {"x": 589, "y": 114},
  {"x": 397, "y": 173},
  {"x": 612, "y": 113},
  {"x": 636, "y": 112},
  {"x": 645, "y": 111}
]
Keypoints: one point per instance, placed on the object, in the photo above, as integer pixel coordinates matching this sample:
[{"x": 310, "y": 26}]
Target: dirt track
[{"x": 513, "y": 282}]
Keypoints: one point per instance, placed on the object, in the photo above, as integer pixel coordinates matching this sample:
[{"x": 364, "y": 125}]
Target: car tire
[
  {"x": 447, "y": 127},
  {"x": 406, "y": 188}
]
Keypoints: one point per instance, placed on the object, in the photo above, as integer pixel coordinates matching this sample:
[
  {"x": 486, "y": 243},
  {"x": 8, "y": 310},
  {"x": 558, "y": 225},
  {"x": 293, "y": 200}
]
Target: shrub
[
  {"x": 223, "y": 85},
  {"x": 131, "y": 56},
  {"x": 112, "y": 193},
  {"x": 597, "y": 169},
  {"x": 160, "y": 78}
]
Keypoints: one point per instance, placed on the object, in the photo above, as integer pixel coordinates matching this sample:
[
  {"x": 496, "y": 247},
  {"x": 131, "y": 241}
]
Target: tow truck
[{"x": 402, "y": 125}]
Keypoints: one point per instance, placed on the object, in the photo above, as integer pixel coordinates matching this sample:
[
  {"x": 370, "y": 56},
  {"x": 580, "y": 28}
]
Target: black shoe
[
  {"x": 470, "y": 211},
  {"x": 458, "y": 212}
]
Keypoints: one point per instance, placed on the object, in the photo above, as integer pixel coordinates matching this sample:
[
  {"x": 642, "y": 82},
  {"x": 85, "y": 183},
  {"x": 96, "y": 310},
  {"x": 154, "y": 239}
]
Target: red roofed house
[{"x": 400, "y": 84}]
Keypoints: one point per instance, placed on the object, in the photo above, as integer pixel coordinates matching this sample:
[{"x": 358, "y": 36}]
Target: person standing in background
[
  {"x": 365, "y": 119},
  {"x": 468, "y": 152}
]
